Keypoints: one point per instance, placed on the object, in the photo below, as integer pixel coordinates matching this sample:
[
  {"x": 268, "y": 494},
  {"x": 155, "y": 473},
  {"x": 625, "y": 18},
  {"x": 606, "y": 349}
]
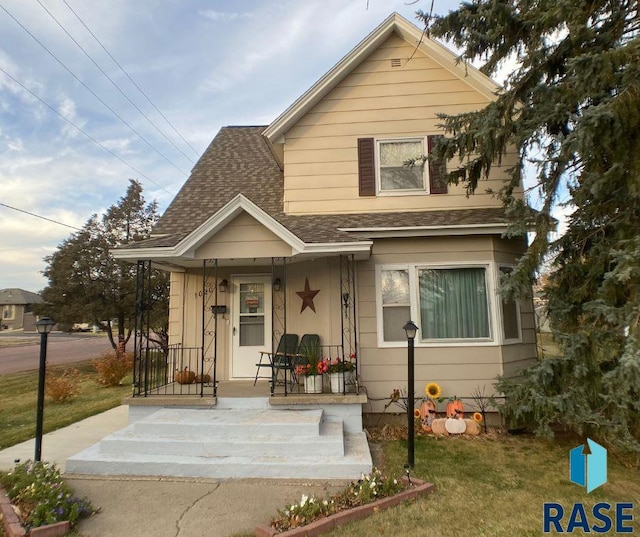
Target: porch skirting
[{"x": 347, "y": 408}]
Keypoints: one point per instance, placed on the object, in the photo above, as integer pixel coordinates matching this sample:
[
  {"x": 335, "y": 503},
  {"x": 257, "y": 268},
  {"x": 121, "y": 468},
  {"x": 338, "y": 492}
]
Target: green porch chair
[
  {"x": 308, "y": 352},
  {"x": 287, "y": 346}
]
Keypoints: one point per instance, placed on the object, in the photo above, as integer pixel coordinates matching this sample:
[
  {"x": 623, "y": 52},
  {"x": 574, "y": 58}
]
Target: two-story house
[
  {"x": 315, "y": 224},
  {"x": 17, "y": 311}
]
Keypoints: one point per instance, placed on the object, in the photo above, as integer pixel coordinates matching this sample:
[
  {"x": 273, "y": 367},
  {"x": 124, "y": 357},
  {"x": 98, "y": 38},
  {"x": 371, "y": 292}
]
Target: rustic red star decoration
[{"x": 307, "y": 296}]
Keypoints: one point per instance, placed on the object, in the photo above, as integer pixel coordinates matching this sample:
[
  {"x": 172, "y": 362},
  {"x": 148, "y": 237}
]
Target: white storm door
[{"x": 251, "y": 327}]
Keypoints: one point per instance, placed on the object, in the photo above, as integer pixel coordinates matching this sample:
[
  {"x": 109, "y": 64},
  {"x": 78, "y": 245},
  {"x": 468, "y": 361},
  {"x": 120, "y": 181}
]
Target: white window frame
[
  {"x": 503, "y": 337},
  {"x": 495, "y": 335},
  {"x": 425, "y": 167},
  {"x": 12, "y": 312}
]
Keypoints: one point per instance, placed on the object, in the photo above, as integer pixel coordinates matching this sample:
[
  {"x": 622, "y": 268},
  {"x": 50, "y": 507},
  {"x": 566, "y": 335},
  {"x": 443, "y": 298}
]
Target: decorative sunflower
[
  {"x": 433, "y": 390},
  {"x": 477, "y": 417},
  {"x": 416, "y": 413}
]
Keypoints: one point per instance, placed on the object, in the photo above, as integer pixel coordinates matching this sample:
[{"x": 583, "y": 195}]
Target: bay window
[
  {"x": 450, "y": 304},
  {"x": 396, "y": 304},
  {"x": 453, "y": 303}
]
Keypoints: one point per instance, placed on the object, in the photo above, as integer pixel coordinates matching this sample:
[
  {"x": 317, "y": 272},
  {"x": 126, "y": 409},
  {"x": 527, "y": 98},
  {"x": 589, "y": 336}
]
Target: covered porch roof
[{"x": 257, "y": 238}]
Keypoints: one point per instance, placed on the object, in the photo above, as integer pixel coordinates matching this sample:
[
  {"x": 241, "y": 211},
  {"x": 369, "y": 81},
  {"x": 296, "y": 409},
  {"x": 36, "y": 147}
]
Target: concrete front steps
[{"x": 229, "y": 442}]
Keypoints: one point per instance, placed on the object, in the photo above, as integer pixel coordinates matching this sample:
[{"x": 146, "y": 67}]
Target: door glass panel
[{"x": 251, "y": 314}]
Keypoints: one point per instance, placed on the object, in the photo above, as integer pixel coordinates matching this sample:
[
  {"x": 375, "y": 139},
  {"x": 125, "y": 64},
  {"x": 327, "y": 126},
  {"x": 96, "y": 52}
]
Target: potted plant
[
  {"x": 341, "y": 373},
  {"x": 312, "y": 375},
  {"x": 310, "y": 369}
]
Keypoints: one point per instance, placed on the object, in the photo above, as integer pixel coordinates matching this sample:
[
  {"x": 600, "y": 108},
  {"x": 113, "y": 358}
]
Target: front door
[{"x": 251, "y": 330}]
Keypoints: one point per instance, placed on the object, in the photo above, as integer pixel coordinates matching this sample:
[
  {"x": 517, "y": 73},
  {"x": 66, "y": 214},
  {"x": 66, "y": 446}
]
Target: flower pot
[
  {"x": 337, "y": 382},
  {"x": 313, "y": 384},
  {"x": 340, "y": 381}
]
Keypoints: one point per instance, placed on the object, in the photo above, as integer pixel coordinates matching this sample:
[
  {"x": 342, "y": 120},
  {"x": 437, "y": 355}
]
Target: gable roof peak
[{"x": 394, "y": 23}]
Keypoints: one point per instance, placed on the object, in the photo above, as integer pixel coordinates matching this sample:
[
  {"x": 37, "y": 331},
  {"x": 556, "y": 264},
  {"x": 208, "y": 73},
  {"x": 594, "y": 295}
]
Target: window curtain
[{"x": 453, "y": 303}]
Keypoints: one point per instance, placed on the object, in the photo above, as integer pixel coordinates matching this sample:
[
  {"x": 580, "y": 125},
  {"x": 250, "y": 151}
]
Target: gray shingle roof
[
  {"x": 19, "y": 296},
  {"x": 239, "y": 161}
]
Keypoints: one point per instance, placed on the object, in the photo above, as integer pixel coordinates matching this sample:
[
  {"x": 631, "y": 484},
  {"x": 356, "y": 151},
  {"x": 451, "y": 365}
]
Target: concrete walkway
[{"x": 163, "y": 507}]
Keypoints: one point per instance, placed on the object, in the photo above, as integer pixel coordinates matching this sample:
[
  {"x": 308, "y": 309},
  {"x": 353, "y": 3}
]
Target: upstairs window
[
  {"x": 393, "y": 174},
  {"x": 382, "y": 169}
]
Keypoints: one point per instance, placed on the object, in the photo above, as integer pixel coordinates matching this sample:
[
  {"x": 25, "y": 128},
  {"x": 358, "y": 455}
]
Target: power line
[
  {"x": 132, "y": 80},
  {"x": 90, "y": 90},
  {"x": 115, "y": 85},
  {"x": 85, "y": 133},
  {"x": 38, "y": 216}
]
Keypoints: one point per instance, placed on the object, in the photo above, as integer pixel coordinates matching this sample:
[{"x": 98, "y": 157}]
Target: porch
[{"x": 229, "y": 322}]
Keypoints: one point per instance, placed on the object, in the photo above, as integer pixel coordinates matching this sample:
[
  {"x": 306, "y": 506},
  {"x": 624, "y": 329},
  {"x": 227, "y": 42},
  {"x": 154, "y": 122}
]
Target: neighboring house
[
  {"x": 314, "y": 224},
  {"x": 16, "y": 309}
]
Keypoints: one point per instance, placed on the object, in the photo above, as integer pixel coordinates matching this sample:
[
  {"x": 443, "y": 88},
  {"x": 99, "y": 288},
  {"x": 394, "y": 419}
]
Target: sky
[{"x": 93, "y": 93}]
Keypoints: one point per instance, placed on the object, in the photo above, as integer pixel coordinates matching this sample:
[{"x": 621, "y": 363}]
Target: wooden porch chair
[{"x": 287, "y": 346}]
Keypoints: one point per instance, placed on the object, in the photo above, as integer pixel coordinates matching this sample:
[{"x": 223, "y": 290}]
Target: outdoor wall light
[
  {"x": 277, "y": 285},
  {"x": 223, "y": 286}
]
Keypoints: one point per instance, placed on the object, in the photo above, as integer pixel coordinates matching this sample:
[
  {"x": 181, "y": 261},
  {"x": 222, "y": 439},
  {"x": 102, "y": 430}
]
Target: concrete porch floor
[{"x": 190, "y": 395}]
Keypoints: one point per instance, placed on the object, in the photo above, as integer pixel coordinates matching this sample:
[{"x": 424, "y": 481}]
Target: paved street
[{"x": 61, "y": 349}]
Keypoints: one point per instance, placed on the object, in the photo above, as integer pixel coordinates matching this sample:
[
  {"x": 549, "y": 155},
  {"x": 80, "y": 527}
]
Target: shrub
[
  {"x": 64, "y": 387},
  {"x": 38, "y": 490},
  {"x": 113, "y": 366}
]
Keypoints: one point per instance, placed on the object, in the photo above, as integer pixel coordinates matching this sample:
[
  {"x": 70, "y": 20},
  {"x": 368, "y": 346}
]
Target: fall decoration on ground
[
  {"x": 455, "y": 408},
  {"x": 433, "y": 390},
  {"x": 185, "y": 376}
]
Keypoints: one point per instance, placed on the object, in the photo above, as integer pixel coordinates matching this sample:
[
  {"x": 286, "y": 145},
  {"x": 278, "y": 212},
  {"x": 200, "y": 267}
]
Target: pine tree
[
  {"x": 571, "y": 105},
  {"x": 86, "y": 283}
]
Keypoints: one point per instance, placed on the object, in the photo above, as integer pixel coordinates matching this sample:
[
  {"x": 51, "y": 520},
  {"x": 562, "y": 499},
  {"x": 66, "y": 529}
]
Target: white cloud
[{"x": 224, "y": 16}]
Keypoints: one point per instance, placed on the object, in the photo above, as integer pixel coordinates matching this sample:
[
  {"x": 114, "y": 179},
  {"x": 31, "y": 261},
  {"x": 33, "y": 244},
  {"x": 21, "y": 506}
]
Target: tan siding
[
  {"x": 391, "y": 204},
  {"x": 375, "y": 100},
  {"x": 458, "y": 369},
  {"x": 243, "y": 238}
]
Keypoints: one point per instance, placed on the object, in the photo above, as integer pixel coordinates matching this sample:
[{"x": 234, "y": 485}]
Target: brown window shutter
[
  {"x": 366, "y": 167},
  {"x": 437, "y": 170}
]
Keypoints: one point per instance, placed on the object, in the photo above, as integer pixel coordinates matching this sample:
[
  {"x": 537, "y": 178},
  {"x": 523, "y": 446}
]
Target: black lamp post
[
  {"x": 410, "y": 329},
  {"x": 43, "y": 326}
]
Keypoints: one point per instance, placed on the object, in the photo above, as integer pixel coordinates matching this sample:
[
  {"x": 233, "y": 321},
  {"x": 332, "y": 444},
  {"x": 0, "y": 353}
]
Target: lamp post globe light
[
  {"x": 410, "y": 330},
  {"x": 43, "y": 326}
]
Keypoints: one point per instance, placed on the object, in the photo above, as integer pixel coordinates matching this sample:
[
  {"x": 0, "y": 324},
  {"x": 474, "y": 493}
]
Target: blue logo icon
[{"x": 588, "y": 465}]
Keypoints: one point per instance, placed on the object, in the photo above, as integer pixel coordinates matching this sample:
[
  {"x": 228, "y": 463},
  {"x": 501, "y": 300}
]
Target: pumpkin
[
  {"x": 455, "y": 409},
  {"x": 427, "y": 415},
  {"x": 185, "y": 376},
  {"x": 473, "y": 427},
  {"x": 203, "y": 379},
  {"x": 455, "y": 426},
  {"x": 437, "y": 426}
]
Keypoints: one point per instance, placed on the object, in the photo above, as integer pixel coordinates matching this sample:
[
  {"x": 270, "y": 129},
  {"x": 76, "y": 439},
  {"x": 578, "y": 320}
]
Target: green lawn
[
  {"x": 18, "y": 402},
  {"x": 491, "y": 485}
]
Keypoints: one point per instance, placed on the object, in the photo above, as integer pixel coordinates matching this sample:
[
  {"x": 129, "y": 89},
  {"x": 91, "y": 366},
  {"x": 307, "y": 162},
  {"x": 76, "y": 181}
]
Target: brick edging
[
  {"x": 13, "y": 527},
  {"x": 350, "y": 515}
]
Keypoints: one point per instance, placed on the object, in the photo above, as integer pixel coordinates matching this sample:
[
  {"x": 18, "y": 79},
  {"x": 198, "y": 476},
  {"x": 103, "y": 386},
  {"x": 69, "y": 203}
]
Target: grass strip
[{"x": 19, "y": 396}]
